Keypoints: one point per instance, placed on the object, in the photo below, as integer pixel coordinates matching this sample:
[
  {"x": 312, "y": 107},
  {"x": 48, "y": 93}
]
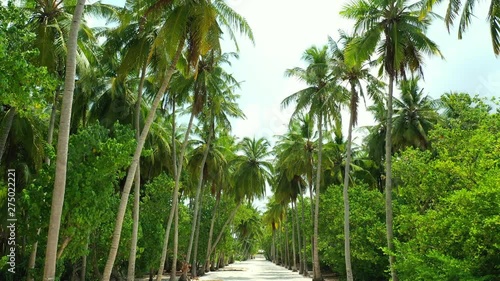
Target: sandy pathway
[{"x": 257, "y": 269}]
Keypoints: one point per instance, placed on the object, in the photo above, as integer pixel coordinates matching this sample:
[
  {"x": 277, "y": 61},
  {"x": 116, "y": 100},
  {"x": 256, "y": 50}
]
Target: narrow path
[{"x": 257, "y": 269}]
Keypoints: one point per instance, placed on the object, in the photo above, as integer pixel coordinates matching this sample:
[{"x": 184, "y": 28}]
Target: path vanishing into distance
[{"x": 258, "y": 269}]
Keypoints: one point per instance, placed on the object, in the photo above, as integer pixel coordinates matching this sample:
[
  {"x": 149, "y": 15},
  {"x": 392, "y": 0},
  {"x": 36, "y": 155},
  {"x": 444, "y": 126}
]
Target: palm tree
[
  {"x": 62, "y": 147},
  {"x": 467, "y": 8},
  {"x": 321, "y": 98},
  {"x": 395, "y": 29},
  {"x": 353, "y": 75},
  {"x": 273, "y": 217},
  {"x": 220, "y": 106},
  {"x": 295, "y": 151},
  {"x": 195, "y": 24},
  {"x": 415, "y": 115},
  {"x": 252, "y": 171}
]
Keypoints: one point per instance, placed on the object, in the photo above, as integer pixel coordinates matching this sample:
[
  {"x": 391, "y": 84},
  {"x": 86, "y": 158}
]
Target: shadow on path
[{"x": 257, "y": 269}]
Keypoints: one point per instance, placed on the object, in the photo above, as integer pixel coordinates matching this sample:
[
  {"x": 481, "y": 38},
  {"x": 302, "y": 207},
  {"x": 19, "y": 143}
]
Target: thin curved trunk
[
  {"x": 388, "y": 181},
  {"x": 175, "y": 197},
  {"x": 198, "y": 193},
  {"x": 317, "y": 271},
  {"x": 176, "y": 243},
  {"x": 273, "y": 247},
  {"x": 299, "y": 243},
  {"x": 228, "y": 221},
  {"x": 287, "y": 250},
  {"x": 31, "y": 263},
  {"x": 52, "y": 124},
  {"x": 211, "y": 232},
  {"x": 137, "y": 187},
  {"x": 306, "y": 270},
  {"x": 194, "y": 266},
  {"x": 9, "y": 118},
  {"x": 294, "y": 253},
  {"x": 133, "y": 166},
  {"x": 311, "y": 201},
  {"x": 83, "y": 271},
  {"x": 197, "y": 197},
  {"x": 347, "y": 233},
  {"x": 49, "y": 271}
]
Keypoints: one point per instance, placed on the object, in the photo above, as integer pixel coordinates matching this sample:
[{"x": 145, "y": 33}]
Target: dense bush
[
  {"x": 367, "y": 232},
  {"x": 447, "y": 217}
]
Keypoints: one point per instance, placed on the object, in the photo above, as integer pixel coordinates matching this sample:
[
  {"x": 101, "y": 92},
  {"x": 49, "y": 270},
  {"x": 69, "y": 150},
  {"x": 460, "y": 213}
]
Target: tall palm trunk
[
  {"x": 317, "y": 271},
  {"x": 198, "y": 193},
  {"x": 285, "y": 228},
  {"x": 137, "y": 187},
  {"x": 6, "y": 130},
  {"x": 347, "y": 233},
  {"x": 49, "y": 271},
  {"x": 211, "y": 231},
  {"x": 311, "y": 205},
  {"x": 388, "y": 180},
  {"x": 52, "y": 124},
  {"x": 194, "y": 267},
  {"x": 83, "y": 271},
  {"x": 304, "y": 245},
  {"x": 299, "y": 242},
  {"x": 287, "y": 249},
  {"x": 50, "y": 136},
  {"x": 197, "y": 198},
  {"x": 176, "y": 243},
  {"x": 175, "y": 197},
  {"x": 31, "y": 263},
  {"x": 133, "y": 166},
  {"x": 294, "y": 253},
  {"x": 228, "y": 221},
  {"x": 273, "y": 246}
]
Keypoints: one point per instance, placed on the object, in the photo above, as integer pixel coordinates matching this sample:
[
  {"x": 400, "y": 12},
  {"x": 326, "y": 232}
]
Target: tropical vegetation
[{"x": 146, "y": 106}]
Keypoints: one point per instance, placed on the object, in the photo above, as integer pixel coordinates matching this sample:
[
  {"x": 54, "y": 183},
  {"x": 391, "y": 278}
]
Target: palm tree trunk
[
  {"x": 176, "y": 243},
  {"x": 388, "y": 180},
  {"x": 83, "y": 271},
  {"x": 52, "y": 124},
  {"x": 347, "y": 233},
  {"x": 137, "y": 188},
  {"x": 306, "y": 270},
  {"x": 49, "y": 271},
  {"x": 197, "y": 197},
  {"x": 299, "y": 243},
  {"x": 211, "y": 232},
  {"x": 311, "y": 205},
  {"x": 317, "y": 271},
  {"x": 273, "y": 247},
  {"x": 228, "y": 221},
  {"x": 194, "y": 265},
  {"x": 50, "y": 135},
  {"x": 31, "y": 263},
  {"x": 133, "y": 166},
  {"x": 287, "y": 250},
  {"x": 6, "y": 130},
  {"x": 294, "y": 253},
  {"x": 175, "y": 196}
]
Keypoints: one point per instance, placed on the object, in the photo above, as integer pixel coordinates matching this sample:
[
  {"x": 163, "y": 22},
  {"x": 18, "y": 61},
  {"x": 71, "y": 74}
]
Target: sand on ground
[{"x": 257, "y": 269}]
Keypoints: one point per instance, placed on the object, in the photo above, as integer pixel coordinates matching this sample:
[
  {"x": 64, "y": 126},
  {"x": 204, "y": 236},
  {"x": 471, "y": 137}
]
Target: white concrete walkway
[{"x": 257, "y": 269}]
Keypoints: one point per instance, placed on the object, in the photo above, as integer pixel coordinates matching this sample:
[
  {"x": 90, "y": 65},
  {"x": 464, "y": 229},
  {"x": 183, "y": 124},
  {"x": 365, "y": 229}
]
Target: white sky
[{"x": 283, "y": 29}]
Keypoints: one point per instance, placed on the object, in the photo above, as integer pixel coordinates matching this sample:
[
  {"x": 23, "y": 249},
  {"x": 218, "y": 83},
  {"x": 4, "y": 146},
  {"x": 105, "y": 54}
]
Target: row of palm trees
[
  {"x": 390, "y": 34},
  {"x": 168, "y": 53},
  {"x": 165, "y": 54}
]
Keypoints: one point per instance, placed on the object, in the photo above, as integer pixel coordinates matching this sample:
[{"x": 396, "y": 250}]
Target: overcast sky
[{"x": 283, "y": 29}]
